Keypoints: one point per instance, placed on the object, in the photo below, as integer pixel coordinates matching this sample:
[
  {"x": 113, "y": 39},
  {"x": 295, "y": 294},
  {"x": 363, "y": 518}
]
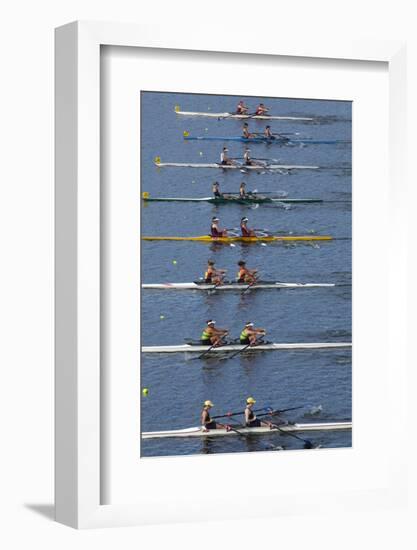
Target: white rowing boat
[
  {"x": 231, "y": 286},
  {"x": 241, "y": 117},
  {"x": 235, "y": 166},
  {"x": 198, "y": 432},
  {"x": 239, "y": 347}
]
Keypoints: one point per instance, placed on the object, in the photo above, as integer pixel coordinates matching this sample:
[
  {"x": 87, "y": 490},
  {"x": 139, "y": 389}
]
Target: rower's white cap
[
  {"x": 244, "y": 220},
  {"x": 249, "y": 325},
  {"x": 211, "y": 322},
  {"x": 214, "y": 219},
  {"x": 225, "y": 149}
]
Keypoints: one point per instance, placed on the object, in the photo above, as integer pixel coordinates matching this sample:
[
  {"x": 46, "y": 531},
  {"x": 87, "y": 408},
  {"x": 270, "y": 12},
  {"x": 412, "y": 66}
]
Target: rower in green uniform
[
  {"x": 206, "y": 422},
  {"x": 250, "y": 335},
  {"x": 250, "y": 418},
  {"x": 212, "y": 336}
]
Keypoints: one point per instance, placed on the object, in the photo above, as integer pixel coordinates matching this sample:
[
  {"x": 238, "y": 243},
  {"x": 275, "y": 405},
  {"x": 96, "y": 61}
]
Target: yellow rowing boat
[{"x": 266, "y": 238}]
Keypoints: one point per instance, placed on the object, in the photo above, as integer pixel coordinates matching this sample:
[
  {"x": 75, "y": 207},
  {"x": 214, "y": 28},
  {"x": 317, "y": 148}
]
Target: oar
[
  {"x": 210, "y": 348},
  {"x": 249, "y": 286},
  {"x": 237, "y": 352},
  {"x": 227, "y": 415},
  {"x": 280, "y": 411},
  {"x": 308, "y": 444}
]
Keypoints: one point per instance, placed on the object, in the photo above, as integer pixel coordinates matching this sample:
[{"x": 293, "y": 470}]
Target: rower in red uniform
[
  {"x": 245, "y": 231},
  {"x": 215, "y": 230},
  {"x": 245, "y": 275},
  {"x": 261, "y": 109},
  {"x": 241, "y": 108}
]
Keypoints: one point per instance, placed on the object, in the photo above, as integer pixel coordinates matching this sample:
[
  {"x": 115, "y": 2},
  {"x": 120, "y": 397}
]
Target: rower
[
  {"x": 212, "y": 275},
  {"x": 246, "y": 157},
  {"x": 206, "y": 422},
  {"x": 250, "y": 418},
  {"x": 245, "y": 131},
  {"x": 249, "y": 335},
  {"x": 241, "y": 108},
  {"x": 224, "y": 159},
  {"x": 212, "y": 336},
  {"x": 245, "y": 231},
  {"x": 215, "y": 231},
  {"x": 268, "y": 133},
  {"x": 242, "y": 191},
  {"x": 245, "y": 275},
  {"x": 261, "y": 110},
  {"x": 216, "y": 190}
]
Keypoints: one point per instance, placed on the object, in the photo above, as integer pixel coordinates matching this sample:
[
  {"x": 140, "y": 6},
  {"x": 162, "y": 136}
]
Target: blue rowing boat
[{"x": 276, "y": 141}]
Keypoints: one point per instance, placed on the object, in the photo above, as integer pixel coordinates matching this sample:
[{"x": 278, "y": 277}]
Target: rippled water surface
[{"x": 318, "y": 379}]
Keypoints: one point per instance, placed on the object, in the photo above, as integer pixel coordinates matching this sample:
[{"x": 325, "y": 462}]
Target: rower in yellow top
[
  {"x": 213, "y": 336},
  {"x": 206, "y": 422},
  {"x": 245, "y": 275},
  {"x": 250, "y": 335},
  {"x": 250, "y": 418},
  {"x": 212, "y": 275}
]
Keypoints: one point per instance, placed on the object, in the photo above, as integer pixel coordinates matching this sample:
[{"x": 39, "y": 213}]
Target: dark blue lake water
[{"x": 178, "y": 384}]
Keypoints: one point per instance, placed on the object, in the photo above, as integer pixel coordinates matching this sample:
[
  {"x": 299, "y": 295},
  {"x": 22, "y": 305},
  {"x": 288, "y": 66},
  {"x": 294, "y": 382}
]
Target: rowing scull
[
  {"x": 229, "y": 198},
  {"x": 240, "y": 166},
  {"x": 198, "y": 432},
  {"x": 265, "y": 239},
  {"x": 238, "y": 347},
  {"x": 261, "y": 139},
  {"x": 231, "y": 286},
  {"x": 241, "y": 117}
]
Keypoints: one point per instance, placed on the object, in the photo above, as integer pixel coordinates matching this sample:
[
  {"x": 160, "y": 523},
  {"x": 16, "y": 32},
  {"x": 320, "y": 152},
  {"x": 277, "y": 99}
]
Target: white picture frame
[{"x": 78, "y": 261}]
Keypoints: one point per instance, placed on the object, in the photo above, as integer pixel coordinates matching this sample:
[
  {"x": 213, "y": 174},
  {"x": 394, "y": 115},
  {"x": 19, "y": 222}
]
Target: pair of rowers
[
  {"x": 207, "y": 423},
  {"x": 243, "y": 109},
  {"x": 225, "y": 160},
  {"x": 216, "y": 231},
  {"x": 215, "y": 276},
  {"x": 212, "y": 336},
  {"x": 243, "y": 194},
  {"x": 267, "y": 133}
]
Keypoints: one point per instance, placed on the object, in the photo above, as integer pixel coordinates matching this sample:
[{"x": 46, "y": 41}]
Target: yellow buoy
[
  {"x": 145, "y": 195},
  {"x": 177, "y": 108},
  {"x": 174, "y": 262},
  {"x": 145, "y": 391}
]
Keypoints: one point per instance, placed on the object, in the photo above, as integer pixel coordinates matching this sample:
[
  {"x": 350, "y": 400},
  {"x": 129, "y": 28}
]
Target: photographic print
[{"x": 246, "y": 274}]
